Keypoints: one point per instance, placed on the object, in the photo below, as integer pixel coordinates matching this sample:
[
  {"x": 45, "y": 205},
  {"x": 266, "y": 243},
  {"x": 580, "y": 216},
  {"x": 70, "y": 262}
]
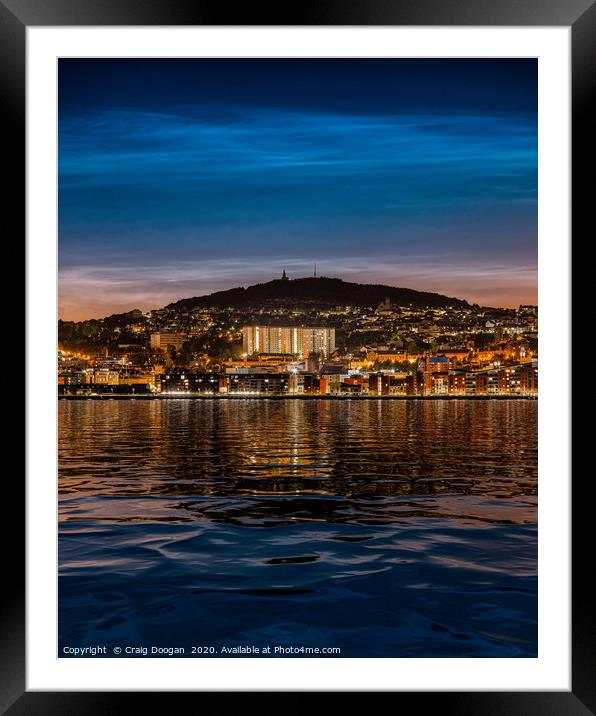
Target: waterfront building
[
  {"x": 433, "y": 382},
  {"x": 529, "y": 378},
  {"x": 68, "y": 377},
  {"x": 354, "y": 386},
  {"x": 331, "y": 383},
  {"x": 312, "y": 384},
  {"x": 518, "y": 379},
  {"x": 173, "y": 383},
  {"x": 515, "y": 379},
  {"x": 273, "y": 383},
  {"x": 435, "y": 363},
  {"x": 457, "y": 383},
  {"x": 182, "y": 382}
]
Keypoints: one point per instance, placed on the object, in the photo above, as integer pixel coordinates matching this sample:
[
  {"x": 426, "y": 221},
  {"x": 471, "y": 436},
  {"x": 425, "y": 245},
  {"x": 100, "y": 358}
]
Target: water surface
[{"x": 382, "y": 528}]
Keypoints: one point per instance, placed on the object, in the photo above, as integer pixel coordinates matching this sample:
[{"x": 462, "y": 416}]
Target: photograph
[{"x": 297, "y": 367}]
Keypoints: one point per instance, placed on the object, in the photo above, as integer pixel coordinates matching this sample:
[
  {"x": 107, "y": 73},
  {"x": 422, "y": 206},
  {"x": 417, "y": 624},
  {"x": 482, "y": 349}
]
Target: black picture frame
[{"x": 17, "y": 15}]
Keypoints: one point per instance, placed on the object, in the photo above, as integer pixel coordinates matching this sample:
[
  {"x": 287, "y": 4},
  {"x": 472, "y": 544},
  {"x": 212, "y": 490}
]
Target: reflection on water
[{"x": 385, "y": 528}]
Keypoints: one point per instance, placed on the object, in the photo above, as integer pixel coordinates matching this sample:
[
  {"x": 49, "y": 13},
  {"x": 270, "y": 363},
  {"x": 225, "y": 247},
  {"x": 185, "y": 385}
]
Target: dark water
[{"x": 384, "y": 528}]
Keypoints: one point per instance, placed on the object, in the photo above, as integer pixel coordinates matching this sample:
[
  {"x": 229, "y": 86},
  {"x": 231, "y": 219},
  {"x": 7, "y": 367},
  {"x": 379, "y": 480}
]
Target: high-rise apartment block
[{"x": 299, "y": 340}]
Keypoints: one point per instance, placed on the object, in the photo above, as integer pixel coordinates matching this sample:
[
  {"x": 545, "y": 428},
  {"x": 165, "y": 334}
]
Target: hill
[{"x": 317, "y": 291}]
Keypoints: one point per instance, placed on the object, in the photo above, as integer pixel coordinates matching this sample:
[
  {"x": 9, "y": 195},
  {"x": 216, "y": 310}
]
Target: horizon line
[{"x": 288, "y": 278}]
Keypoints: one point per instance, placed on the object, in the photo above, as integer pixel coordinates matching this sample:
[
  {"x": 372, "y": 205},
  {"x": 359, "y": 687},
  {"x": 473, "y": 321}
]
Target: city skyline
[{"x": 178, "y": 178}]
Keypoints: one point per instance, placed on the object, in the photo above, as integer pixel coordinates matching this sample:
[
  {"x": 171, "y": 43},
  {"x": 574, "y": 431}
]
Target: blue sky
[{"x": 181, "y": 177}]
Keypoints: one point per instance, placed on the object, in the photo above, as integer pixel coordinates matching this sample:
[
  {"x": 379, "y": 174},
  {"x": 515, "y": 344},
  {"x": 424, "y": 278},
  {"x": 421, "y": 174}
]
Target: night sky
[{"x": 182, "y": 177}]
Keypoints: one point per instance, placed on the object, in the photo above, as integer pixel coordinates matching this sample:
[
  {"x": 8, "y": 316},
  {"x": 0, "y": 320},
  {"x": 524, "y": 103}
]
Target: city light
[{"x": 379, "y": 351}]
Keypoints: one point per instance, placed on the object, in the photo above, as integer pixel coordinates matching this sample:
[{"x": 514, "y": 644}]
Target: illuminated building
[
  {"x": 182, "y": 382},
  {"x": 529, "y": 378},
  {"x": 313, "y": 384},
  {"x": 457, "y": 383},
  {"x": 330, "y": 383},
  {"x": 260, "y": 360},
  {"x": 318, "y": 340},
  {"x": 354, "y": 386},
  {"x": 167, "y": 341},
  {"x": 136, "y": 378},
  {"x": 518, "y": 379},
  {"x": 433, "y": 382},
  {"x": 273, "y": 383},
  {"x": 297, "y": 340},
  {"x": 435, "y": 363},
  {"x": 104, "y": 376},
  {"x": 387, "y": 356},
  {"x": 84, "y": 377}
]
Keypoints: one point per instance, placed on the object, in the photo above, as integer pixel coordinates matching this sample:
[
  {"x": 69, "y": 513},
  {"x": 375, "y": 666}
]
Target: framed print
[{"x": 298, "y": 398}]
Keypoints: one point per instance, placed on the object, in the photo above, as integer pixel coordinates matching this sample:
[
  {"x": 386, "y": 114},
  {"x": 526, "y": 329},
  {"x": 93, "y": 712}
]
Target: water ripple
[{"x": 387, "y": 528}]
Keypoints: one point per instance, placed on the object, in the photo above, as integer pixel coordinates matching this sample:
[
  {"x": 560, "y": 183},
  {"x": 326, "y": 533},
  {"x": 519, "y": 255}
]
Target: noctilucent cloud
[{"x": 178, "y": 178}]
